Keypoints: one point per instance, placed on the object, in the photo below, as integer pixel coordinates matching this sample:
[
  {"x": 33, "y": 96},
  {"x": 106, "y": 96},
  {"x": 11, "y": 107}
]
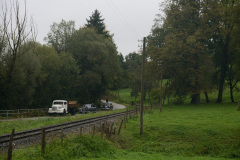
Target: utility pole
[
  {"x": 161, "y": 89},
  {"x": 142, "y": 87}
]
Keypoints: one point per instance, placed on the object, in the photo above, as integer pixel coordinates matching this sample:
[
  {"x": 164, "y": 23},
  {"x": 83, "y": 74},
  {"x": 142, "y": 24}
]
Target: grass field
[
  {"x": 186, "y": 132},
  {"x": 21, "y": 125},
  {"x": 125, "y": 96}
]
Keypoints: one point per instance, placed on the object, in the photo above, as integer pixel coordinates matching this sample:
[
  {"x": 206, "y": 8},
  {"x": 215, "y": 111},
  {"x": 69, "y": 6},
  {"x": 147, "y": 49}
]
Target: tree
[
  {"x": 16, "y": 32},
  {"x": 220, "y": 19},
  {"x": 133, "y": 66},
  {"x": 97, "y": 58},
  {"x": 178, "y": 44},
  {"x": 58, "y": 77},
  {"x": 60, "y": 34},
  {"x": 96, "y": 22}
]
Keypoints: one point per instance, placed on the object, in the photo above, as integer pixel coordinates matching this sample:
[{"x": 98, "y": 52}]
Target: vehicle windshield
[{"x": 61, "y": 103}]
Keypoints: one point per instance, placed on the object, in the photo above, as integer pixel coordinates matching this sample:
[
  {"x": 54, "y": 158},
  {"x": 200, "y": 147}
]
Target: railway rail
[{"x": 4, "y": 139}]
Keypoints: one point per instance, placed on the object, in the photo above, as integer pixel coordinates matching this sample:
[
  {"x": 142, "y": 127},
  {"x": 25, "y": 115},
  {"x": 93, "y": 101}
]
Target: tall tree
[
  {"x": 16, "y": 31},
  {"x": 177, "y": 43},
  {"x": 220, "y": 23},
  {"x": 60, "y": 34},
  {"x": 133, "y": 66},
  {"x": 58, "y": 77},
  {"x": 97, "y": 58},
  {"x": 97, "y": 23}
]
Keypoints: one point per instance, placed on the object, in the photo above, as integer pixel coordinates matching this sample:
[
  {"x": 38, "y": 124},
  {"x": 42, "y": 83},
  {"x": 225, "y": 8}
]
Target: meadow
[
  {"x": 198, "y": 132},
  {"x": 181, "y": 132}
]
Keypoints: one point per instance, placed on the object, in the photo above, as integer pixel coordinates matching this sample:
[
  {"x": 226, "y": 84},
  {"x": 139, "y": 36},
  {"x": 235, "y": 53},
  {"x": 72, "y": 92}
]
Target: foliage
[
  {"x": 133, "y": 66},
  {"x": 58, "y": 77},
  {"x": 189, "y": 39},
  {"x": 59, "y": 35},
  {"x": 97, "y": 59},
  {"x": 96, "y": 22}
]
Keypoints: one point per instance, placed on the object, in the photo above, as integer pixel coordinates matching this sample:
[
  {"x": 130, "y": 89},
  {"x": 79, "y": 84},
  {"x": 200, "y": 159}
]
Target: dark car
[
  {"x": 107, "y": 106},
  {"x": 88, "y": 108}
]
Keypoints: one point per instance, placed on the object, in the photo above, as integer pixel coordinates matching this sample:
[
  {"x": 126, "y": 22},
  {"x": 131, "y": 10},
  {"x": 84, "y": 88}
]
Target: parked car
[
  {"x": 107, "y": 106},
  {"x": 88, "y": 108}
]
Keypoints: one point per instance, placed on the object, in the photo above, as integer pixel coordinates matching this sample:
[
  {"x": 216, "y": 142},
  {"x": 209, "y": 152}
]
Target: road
[{"x": 115, "y": 107}]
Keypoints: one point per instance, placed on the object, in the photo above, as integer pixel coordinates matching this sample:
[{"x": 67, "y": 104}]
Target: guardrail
[{"x": 15, "y": 112}]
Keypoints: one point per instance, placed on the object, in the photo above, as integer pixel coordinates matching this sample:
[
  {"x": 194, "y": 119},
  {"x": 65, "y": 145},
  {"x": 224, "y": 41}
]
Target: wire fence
[{"x": 22, "y": 112}]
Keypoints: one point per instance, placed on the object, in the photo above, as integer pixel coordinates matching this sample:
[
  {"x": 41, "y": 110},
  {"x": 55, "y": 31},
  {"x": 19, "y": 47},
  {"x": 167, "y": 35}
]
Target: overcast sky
[{"x": 128, "y": 20}]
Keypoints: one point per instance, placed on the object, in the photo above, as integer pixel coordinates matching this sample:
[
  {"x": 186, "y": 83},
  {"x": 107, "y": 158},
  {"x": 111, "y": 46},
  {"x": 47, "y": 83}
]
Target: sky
[{"x": 128, "y": 20}]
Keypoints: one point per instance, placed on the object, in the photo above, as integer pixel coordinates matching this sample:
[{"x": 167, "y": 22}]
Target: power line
[{"x": 122, "y": 19}]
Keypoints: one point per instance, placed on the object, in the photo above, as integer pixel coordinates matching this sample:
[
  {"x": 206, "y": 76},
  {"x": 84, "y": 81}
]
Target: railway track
[{"x": 4, "y": 139}]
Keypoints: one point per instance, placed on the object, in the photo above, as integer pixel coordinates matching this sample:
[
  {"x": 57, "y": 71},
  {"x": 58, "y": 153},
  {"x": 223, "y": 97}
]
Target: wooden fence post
[
  {"x": 127, "y": 115},
  {"x": 102, "y": 129},
  {"x": 119, "y": 130},
  {"x": 61, "y": 135},
  {"x": 43, "y": 142},
  {"x": 81, "y": 130},
  {"x": 94, "y": 127},
  {"x": 10, "y": 147},
  {"x": 110, "y": 132}
]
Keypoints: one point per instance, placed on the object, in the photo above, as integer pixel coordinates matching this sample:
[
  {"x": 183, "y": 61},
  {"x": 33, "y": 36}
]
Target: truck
[{"x": 63, "y": 107}]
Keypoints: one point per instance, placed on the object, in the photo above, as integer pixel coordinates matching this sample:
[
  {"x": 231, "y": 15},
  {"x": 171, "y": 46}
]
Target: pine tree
[{"x": 97, "y": 23}]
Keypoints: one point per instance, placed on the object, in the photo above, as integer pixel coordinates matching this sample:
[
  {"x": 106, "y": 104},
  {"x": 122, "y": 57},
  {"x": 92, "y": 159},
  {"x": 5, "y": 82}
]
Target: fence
[{"x": 16, "y": 112}]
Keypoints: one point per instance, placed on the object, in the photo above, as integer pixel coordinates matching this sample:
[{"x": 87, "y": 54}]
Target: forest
[{"x": 194, "y": 48}]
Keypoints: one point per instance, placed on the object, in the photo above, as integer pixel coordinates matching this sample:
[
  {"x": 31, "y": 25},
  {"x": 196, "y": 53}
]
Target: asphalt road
[{"x": 115, "y": 107}]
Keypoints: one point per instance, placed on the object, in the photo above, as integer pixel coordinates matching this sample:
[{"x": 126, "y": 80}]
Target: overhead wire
[{"x": 122, "y": 19}]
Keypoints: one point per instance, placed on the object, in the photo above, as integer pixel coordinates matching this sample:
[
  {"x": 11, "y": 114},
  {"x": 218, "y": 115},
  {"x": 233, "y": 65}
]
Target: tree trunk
[
  {"x": 223, "y": 68},
  {"x": 231, "y": 91},
  {"x": 206, "y": 96},
  {"x": 195, "y": 99}
]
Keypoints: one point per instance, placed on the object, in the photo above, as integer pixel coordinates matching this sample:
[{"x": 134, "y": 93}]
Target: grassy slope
[
  {"x": 180, "y": 132},
  {"x": 21, "y": 125},
  {"x": 125, "y": 96}
]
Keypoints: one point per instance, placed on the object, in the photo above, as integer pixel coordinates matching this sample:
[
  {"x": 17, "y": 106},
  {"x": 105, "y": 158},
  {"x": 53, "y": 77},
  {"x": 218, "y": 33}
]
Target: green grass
[
  {"x": 125, "y": 97},
  {"x": 21, "y": 125},
  {"x": 186, "y": 132},
  {"x": 203, "y": 130}
]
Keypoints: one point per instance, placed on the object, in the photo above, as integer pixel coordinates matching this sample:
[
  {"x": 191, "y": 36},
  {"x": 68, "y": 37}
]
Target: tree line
[
  {"x": 76, "y": 64},
  {"x": 193, "y": 46},
  {"x": 196, "y": 45}
]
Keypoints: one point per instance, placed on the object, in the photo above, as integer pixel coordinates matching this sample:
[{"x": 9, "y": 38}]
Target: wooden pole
[
  {"x": 102, "y": 130},
  {"x": 43, "y": 142},
  {"x": 62, "y": 135},
  {"x": 119, "y": 130},
  {"x": 10, "y": 147},
  {"x": 142, "y": 87},
  {"x": 94, "y": 127},
  {"x": 81, "y": 130},
  {"x": 127, "y": 115},
  {"x": 110, "y": 133},
  {"x": 161, "y": 90}
]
